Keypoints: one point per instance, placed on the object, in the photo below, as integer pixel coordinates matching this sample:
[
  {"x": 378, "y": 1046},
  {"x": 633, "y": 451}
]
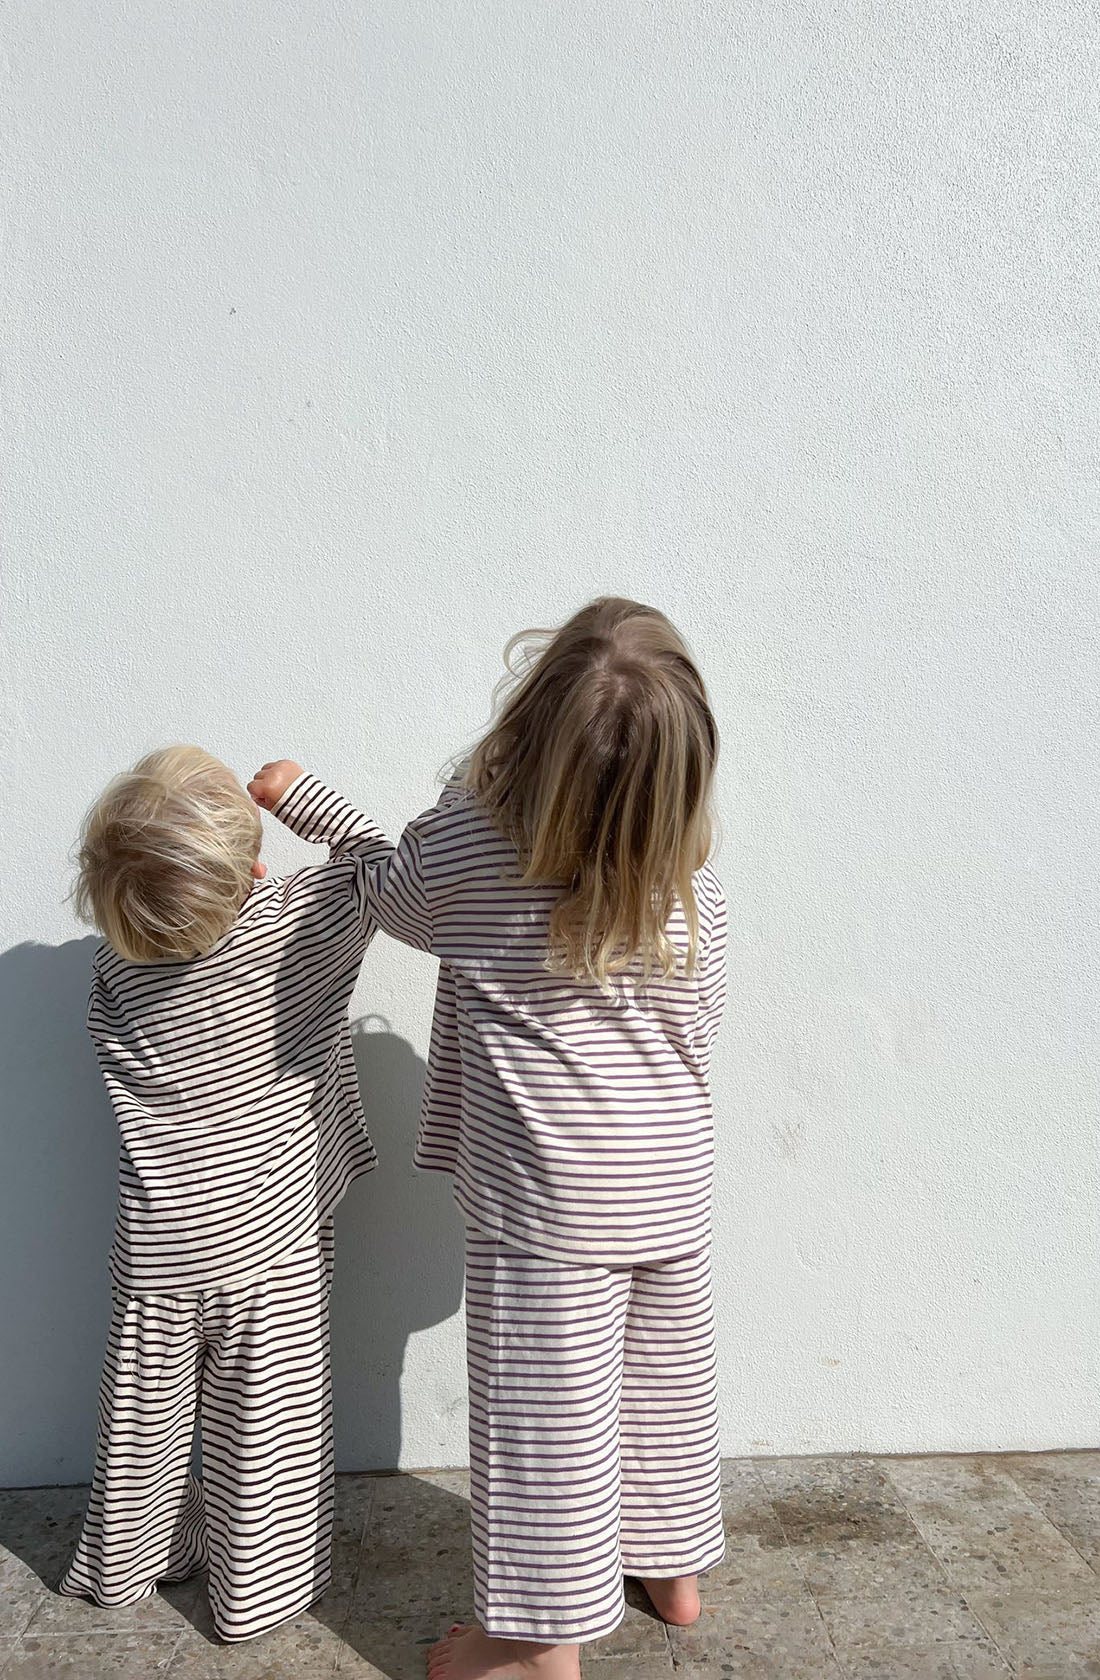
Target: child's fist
[{"x": 272, "y": 780}]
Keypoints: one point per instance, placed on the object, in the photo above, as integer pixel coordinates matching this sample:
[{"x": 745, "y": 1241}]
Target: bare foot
[
  {"x": 469, "y": 1654},
  {"x": 676, "y": 1601}
]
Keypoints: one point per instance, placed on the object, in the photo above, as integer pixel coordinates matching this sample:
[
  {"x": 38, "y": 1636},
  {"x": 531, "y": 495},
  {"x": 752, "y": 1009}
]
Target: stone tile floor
[{"x": 865, "y": 1568}]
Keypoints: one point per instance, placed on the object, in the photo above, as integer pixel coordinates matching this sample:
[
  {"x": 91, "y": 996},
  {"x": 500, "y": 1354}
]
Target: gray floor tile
[
  {"x": 1066, "y": 1488},
  {"x": 92, "y": 1656},
  {"x": 639, "y": 1635},
  {"x": 982, "y": 1526},
  {"x": 352, "y": 1506},
  {"x": 752, "y": 1572},
  {"x": 848, "y": 1531},
  {"x": 867, "y": 1568},
  {"x": 302, "y": 1649},
  {"x": 1041, "y": 1629},
  {"x": 833, "y": 1502},
  {"x": 392, "y": 1647},
  {"x": 415, "y": 1563},
  {"x": 851, "y": 1569},
  {"x": 438, "y": 1592},
  {"x": 39, "y": 1529},
  {"x": 403, "y": 1506},
  {"x": 941, "y": 1663},
  {"x": 21, "y": 1593},
  {"x": 758, "y": 1636},
  {"x": 166, "y": 1611},
  {"x": 596, "y": 1667},
  {"x": 456, "y": 1482},
  {"x": 927, "y": 1631}
]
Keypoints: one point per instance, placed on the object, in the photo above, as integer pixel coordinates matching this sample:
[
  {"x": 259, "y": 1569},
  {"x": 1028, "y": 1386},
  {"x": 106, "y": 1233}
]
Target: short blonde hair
[
  {"x": 166, "y": 856},
  {"x": 599, "y": 769}
]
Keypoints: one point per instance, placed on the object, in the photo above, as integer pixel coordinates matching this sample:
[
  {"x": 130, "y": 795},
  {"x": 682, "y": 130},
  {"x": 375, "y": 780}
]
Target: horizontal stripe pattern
[
  {"x": 232, "y": 1076},
  {"x": 252, "y": 1365},
  {"x": 577, "y": 1122},
  {"x": 593, "y": 1435}
]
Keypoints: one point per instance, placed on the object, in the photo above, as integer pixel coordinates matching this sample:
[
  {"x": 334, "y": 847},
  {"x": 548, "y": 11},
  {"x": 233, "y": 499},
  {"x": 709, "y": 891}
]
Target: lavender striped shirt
[{"x": 577, "y": 1124}]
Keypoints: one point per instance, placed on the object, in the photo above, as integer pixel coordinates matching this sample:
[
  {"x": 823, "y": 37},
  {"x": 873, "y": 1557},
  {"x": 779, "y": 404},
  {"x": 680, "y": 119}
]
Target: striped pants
[
  {"x": 593, "y": 1435},
  {"x": 252, "y": 1365}
]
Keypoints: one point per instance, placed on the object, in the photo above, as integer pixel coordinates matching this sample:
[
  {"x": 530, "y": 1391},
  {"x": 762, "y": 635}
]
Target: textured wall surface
[{"x": 344, "y": 340}]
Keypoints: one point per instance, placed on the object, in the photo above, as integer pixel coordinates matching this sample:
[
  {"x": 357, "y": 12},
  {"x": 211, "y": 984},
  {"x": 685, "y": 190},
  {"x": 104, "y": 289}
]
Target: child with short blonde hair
[
  {"x": 219, "y": 1016},
  {"x": 563, "y": 882},
  {"x": 168, "y": 854}
]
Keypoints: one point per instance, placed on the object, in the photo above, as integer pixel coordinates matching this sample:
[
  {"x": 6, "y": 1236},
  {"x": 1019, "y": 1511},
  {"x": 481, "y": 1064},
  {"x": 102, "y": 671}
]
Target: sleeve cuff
[{"x": 293, "y": 799}]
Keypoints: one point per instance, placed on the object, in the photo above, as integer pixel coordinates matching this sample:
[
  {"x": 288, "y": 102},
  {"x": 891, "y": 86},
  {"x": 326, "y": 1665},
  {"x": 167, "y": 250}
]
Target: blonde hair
[
  {"x": 166, "y": 856},
  {"x": 598, "y": 769}
]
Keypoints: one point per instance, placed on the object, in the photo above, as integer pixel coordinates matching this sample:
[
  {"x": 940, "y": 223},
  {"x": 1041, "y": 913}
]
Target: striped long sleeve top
[
  {"x": 577, "y": 1123},
  {"x": 231, "y": 1076}
]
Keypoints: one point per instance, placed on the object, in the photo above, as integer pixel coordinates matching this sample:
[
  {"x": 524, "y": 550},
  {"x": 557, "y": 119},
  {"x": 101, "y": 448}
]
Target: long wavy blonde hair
[
  {"x": 166, "y": 855},
  {"x": 598, "y": 768}
]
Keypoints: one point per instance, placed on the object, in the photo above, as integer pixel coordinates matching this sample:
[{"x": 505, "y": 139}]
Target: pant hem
[
  {"x": 279, "y": 1620},
  {"x": 673, "y": 1572},
  {"x": 69, "y": 1589},
  {"x": 539, "y": 1634}
]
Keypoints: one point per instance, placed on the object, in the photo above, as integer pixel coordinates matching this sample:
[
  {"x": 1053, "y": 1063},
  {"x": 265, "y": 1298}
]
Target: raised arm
[
  {"x": 317, "y": 813},
  {"x": 389, "y": 881},
  {"x": 396, "y": 896}
]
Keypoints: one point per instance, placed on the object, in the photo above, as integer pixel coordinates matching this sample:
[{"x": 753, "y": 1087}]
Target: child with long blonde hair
[{"x": 563, "y": 882}]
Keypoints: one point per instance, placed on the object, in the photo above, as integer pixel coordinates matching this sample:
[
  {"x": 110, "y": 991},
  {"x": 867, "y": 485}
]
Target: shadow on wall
[
  {"x": 399, "y": 1242},
  {"x": 57, "y": 1202},
  {"x": 398, "y": 1257}
]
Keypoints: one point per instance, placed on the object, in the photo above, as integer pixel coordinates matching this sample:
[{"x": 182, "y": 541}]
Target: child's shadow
[
  {"x": 57, "y": 1203},
  {"x": 398, "y": 1270},
  {"x": 398, "y": 1239},
  {"x": 401, "y": 1550}
]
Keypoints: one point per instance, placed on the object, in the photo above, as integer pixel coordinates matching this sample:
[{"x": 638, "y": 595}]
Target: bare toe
[{"x": 439, "y": 1658}]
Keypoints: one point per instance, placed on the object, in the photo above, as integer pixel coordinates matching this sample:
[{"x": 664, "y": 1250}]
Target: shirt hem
[
  {"x": 528, "y": 1240},
  {"x": 243, "y": 1278}
]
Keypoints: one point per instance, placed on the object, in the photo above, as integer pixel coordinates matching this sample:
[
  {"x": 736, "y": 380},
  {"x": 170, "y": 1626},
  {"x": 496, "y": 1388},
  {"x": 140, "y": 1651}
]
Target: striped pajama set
[
  {"x": 577, "y": 1126},
  {"x": 234, "y": 1086}
]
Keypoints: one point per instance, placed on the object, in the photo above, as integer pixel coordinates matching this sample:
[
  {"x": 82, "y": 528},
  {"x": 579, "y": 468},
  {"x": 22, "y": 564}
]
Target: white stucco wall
[{"x": 344, "y": 340}]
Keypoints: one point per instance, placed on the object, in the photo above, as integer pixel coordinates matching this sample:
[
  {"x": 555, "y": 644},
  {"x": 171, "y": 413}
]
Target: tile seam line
[
  {"x": 670, "y": 1652},
  {"x": 841, "y": 1668},
  {"x": 353, "y": 1595},
  {"x": 1047, "y": 1518},
  {"x": 1010, "y": 1667}
]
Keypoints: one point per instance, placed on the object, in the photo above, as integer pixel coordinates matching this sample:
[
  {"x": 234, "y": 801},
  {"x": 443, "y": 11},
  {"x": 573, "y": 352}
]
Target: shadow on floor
[
  {"x": 411, "y": 1576},
  {"x": 401, "y": 1575}
]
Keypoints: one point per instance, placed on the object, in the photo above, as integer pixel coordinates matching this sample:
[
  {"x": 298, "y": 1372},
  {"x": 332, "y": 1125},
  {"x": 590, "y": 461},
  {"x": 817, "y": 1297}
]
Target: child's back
[
  {"x": 232, "y": 1079},
  {"x": 578, "y": 1123},
  {"x": 565, "y": 888},
  {"x": 219, "y": 1016}
]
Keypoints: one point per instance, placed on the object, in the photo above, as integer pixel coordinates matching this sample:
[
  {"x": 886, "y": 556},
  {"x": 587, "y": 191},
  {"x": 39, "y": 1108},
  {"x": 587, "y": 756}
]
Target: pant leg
[
  {"x": 545, "y": 1347},
  {"x": 144, "y": 1521},
  {"x": 671, "y": 1463},
  {"x": 267, "y": 1443}
]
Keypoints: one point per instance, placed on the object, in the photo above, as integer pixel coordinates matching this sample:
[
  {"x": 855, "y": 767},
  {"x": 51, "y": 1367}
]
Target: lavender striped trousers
[{"x": 593, "y": 1435}]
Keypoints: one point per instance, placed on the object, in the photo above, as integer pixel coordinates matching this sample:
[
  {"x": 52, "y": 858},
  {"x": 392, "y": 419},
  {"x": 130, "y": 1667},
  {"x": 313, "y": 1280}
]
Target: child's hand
[{"x": 272, "y": 780}]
